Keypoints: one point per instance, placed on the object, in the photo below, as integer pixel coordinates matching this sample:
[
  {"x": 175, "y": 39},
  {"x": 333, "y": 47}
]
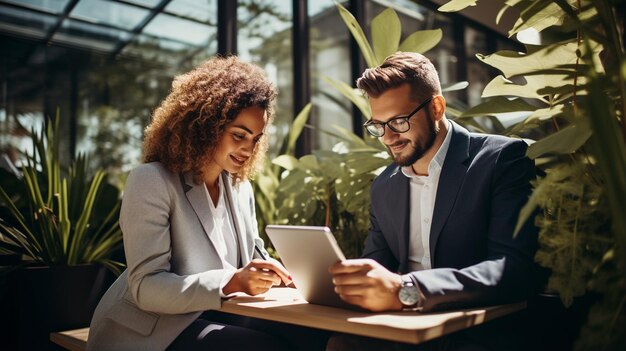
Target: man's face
[{"x": 408, "y": 147}]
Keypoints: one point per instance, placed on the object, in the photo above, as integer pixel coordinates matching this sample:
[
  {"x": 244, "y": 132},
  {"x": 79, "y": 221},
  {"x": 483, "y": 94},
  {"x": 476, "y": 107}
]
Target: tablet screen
[{"x": 307, "y": 253}]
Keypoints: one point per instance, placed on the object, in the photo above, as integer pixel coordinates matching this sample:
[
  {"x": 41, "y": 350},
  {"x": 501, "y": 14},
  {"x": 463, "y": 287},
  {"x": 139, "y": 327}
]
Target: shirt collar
[{"x": 436, "y": 163}]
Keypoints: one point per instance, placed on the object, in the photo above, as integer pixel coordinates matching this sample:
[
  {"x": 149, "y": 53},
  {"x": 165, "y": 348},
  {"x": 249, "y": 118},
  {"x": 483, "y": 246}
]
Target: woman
[{"x": 188, "y": 218}]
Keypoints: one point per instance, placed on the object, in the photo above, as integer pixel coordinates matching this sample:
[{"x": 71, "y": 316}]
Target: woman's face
[{"x": 239, "y": 139}]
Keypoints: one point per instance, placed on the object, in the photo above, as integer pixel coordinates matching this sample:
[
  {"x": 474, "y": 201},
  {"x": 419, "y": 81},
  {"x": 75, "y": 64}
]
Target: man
[{"x": 443, "y": 214}]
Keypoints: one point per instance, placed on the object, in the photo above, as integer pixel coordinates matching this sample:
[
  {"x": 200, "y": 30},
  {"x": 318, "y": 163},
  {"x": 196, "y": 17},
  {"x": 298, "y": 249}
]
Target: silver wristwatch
[{"x": 409, "y": 294}]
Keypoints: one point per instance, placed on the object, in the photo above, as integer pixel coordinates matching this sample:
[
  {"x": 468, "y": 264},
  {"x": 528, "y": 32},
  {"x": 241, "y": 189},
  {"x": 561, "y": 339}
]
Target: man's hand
[
  {"x": 257, "y": 277},
  {"x": 365, "y": 283}
]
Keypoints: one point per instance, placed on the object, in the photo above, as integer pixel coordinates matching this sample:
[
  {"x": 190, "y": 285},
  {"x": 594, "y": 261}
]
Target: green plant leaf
[
  {"x": 40, "y": 221},
  {"x": 539, "y": 15},
  {"x": 386, "y": 33},
  {"x": 421, "y": 41},
  {"x": 354, "y": 140},
  {"x": 359, "y": 36},
  {"x": 308, "y": 162},
  {"x": 500, "y": 86},
  {"x": 507, "y": 5},
  {"x": 454, "y": 86},
  {"x": 546, "y": 113},
  {"x": 573, "y": 233},
  {"x": 538, "y": 59},
  {"x": 456, "y": 5},
  {"x": 453, "y": 112},
  {"x": 354, "y": 95},
  {"x": 287, "y": 162},
  {"x": 565, "y": 141},
  {"x": 63, "y": 216},
  {"x": 497, "y": 106},
  {"x": 296, "y": 129},
  {"x": 75, "y": 250},
  {"x": 543, "y": 14},
  {"x": 364, "y": 162},
  {"x": 608, "y": 148}
]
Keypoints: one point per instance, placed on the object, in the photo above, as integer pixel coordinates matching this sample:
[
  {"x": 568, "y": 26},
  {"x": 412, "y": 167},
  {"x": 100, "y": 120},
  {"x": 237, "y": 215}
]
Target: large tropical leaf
[
  {"x": 421, "y": 41},
  {"x": 565, "y": 141},
  {"x": 454, "y": 86},
  {"x": 539, "y": 15},
  {"x": 359, "y": 36},
  {"x": 456, "y": 5},
  {"x": 354, "y": 95},
  {"x": 537, "y": 60},
  {"x": 386, "y": 33},
  {"x": 289, "y": 145},
  {"x": 500, "y": 86},
  {"x": 498, "y": 105}
]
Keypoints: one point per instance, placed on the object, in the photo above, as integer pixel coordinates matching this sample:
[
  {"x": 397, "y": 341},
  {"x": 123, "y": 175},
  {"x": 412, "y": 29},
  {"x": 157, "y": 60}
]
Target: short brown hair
[
  {"x": 189, "y": 123},
  {"x": 398, "y": 69}
]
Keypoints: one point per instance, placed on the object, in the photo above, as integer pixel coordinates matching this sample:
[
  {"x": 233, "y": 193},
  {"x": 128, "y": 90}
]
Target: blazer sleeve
[
  {"x": 508, "y": 273},
  {"x": 148, "y": 202}
]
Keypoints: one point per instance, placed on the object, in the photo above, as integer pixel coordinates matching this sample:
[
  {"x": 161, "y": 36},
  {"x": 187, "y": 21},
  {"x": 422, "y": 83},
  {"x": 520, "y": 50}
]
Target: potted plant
[
  {"x": 574, "y": 96},
  {"x": 60, "y": 225}
]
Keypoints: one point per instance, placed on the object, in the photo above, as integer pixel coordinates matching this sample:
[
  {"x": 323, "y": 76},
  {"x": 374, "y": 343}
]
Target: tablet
[{"x": 307, "y": 253}]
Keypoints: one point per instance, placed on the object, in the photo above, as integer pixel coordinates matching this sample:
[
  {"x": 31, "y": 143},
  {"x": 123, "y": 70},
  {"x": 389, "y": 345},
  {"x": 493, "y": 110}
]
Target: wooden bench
[{"x": 74, "y": 340}]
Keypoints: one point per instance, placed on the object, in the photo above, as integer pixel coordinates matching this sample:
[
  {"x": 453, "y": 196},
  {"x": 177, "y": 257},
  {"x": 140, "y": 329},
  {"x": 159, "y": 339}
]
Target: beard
[{"x": 418, "y": 148}]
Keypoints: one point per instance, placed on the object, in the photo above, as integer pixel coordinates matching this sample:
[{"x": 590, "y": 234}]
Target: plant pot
[
  {"x": 552, "y": 326},
  {"x": 48, "y": 299}
]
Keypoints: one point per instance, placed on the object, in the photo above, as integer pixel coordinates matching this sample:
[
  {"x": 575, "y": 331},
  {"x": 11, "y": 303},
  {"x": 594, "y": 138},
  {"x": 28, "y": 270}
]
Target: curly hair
[
  {"x": 188, "y": 125},
  {"x": 398, "y": 69}
]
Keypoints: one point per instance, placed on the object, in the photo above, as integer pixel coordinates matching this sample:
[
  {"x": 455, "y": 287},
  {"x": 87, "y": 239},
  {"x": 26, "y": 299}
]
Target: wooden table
[
  {"x": 287, "y": 306},
  {"x": 73, "y": 340}
]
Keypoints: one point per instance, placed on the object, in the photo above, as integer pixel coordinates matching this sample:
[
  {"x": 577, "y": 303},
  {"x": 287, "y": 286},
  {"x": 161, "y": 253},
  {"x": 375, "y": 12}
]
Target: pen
[
  {"x": 263, "y": 256},
  {"x": 260, "y": 252}
]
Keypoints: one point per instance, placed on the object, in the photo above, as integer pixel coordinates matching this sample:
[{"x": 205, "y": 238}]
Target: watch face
[{"x": 408, "y": 295}]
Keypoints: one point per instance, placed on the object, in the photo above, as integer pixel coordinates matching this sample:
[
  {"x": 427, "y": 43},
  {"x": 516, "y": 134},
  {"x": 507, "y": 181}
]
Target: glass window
[
  {"x": 165, "y": 50},
  {"x": 329, "y": 57},
  {"x": 203, "y": 11},
  {"x": 24, "y": 22},
  {"x": 107, "y": 101},
  {"x": 110, "y": 13},
  {"x": 264, "y": 37},
  {"x": 146, "y": 3},
  {"x": 177, "y": 29},
  {"x": 54, "y": 6},
  {"x": 79, "y": 34}
]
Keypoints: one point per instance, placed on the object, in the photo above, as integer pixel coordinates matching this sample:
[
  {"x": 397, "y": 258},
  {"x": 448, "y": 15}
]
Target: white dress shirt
[
  {"x": 423, "y": 191},
  {"x": 224, "y": 234}
]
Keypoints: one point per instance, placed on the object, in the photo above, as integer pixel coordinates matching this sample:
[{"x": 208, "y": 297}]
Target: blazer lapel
[
  {"x": 398, "y": 189},
  {"x": 240, "y": 233},
  {"x": 197, "y": 196},
  {"x": 450, "y": 180}
]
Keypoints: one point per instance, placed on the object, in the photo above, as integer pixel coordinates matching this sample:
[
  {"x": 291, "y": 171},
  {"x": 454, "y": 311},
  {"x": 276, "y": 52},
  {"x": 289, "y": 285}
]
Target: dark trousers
[{"x": 223, "y": 331}]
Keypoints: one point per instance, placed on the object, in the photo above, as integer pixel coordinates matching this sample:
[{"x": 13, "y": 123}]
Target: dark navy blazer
[{"x": 484, "y": 182}]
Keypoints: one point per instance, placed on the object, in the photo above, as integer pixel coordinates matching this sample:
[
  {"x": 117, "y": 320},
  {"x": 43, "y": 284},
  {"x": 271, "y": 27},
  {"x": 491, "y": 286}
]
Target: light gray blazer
[{"x": 174, "y": 271}]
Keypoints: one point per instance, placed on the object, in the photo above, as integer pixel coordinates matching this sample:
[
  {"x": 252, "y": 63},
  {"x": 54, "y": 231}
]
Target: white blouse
[{"x": 224, "y": 234}]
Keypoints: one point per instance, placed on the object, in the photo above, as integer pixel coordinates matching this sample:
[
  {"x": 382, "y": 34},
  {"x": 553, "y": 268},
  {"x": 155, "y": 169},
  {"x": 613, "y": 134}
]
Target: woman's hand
[{"x": 257, "y": 277}]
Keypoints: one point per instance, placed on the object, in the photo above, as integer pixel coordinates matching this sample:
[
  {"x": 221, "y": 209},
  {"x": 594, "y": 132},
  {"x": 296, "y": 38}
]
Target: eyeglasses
[{"x": 398, "y": 124}]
